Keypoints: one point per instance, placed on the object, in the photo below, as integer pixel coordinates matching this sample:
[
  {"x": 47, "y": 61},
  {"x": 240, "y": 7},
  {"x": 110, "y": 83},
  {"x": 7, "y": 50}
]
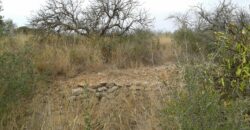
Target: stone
[
  {"x": 91, "y": 90},
  {"x": 82, "y": 85},
  {"x": 99, "y": 85},
  {"x": 103, "y": 84},
  {"x": 110, "y": 85},
  {"x": 111, "y": 90},
  {"x": 77, "y": 91},
  {"x": 98, "y": 94},
  {"x": 102, "y": 89}
]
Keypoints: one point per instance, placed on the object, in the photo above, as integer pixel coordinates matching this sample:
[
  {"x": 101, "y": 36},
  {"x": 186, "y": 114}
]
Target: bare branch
[{"x": 101, "y": 17}]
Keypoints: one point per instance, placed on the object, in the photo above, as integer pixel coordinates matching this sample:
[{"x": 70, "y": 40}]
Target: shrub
[
  {"x": 199, "y": 106},
  {"x": 215, "y": 93},
  {"x": 17, "y": 77},
  {"x": 187, "y": 39},
  {"x": 233, "y": 62}
]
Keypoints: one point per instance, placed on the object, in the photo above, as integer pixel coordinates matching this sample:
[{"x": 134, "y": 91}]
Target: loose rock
[
  {"x": 103, "y": 84},
  {"x": 81, "y": 85},
  {"x": 91, "y": 90},
  {"x": 102, "y": 89},
  {"x": 110, "y": 85},
  {"x": 77, "y": 91},
  {"x": 111, "y": 90}
]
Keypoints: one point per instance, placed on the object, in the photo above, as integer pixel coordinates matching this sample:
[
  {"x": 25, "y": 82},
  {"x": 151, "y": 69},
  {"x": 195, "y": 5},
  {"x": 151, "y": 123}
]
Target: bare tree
[
  {"x": 61, "y": 16},
  {"x": 116, "y": 16},
  {"x": 199, "y": 24},
  {"x": 181, "y": 20},
  {"x": 219, "y": 18},
  {"x": 224, "y": 14},
  {"x": 213, "y": 20},
  {"x": 101, "y": 17}
]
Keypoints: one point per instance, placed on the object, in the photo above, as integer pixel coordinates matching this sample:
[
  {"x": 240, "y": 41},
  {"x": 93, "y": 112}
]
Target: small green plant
[{"x": 87, "y": 109}]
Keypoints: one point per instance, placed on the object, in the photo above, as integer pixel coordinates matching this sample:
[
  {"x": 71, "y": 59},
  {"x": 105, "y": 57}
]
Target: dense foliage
[
  {"x": 216, "y": 68},
  {"x": 17, "y": 77},
  {"x": 233, "y": 61},
  {"x": 199, "y": 105}
]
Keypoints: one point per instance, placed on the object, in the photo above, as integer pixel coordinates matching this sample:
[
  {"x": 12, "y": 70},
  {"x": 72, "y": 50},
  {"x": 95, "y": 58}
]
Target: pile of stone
[{"x": 100, "y": 90}]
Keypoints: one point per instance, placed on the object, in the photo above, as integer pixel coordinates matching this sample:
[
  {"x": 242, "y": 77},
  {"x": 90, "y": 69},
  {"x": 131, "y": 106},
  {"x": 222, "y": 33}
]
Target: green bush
[
  {"x": 199, "y": 106},
  {"x": 215, "y": 93},
  {"x": 229, "y": 51},
  {"x": 17, "y": 77},
  {"x": 193, "y": 41},
  {"x": 233, "y": 62},
  {"x": 187, "y": 39}
]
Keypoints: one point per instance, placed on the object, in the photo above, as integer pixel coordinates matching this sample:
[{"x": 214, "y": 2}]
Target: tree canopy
[{"x": 100, "y": 17}]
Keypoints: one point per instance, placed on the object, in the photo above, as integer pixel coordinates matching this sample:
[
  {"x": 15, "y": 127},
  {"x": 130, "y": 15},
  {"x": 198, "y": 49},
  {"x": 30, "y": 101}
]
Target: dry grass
[
  {"x": 68, "y": 56},
  {"x": 125, "y": 109},
  {"x": 128, "y": 110},
  {"x": 61, "y": 56},
  {"x": 55, "y": 56},
  {"x": 169, "y": 48}
]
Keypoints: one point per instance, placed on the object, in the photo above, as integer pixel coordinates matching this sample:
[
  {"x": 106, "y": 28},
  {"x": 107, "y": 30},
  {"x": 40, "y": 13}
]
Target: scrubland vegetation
[
  {"x": 210, "y": 91},
  {"x": 30, "y": 63},
  {"x": 215, "y": 61}
]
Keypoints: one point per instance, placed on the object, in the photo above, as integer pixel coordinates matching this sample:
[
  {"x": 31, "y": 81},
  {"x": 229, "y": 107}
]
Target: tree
[
  {"x": 198, "y": 25},
  {"x": 9, "y": 27},
  {"x": 61, "y": 16},
  {"x": 120, "y": 16},
  {"x": 217, "y": 19},
  {"x": 220, "y": 19},
  {"x": 101, "y": 17},
  {"x": 1, "y": 18}
]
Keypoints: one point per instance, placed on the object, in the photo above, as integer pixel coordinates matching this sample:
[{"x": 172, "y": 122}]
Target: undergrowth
[
  {"x": 199, "y": 106},
  {"x": 216, "y": 90}
]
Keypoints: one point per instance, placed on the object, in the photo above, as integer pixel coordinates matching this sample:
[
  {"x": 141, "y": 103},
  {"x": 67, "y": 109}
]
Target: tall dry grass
[
  {"x": 55, "y": 56},
  {"x": 134, "y": 110},
  {"x": 70, "y": 55}
]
